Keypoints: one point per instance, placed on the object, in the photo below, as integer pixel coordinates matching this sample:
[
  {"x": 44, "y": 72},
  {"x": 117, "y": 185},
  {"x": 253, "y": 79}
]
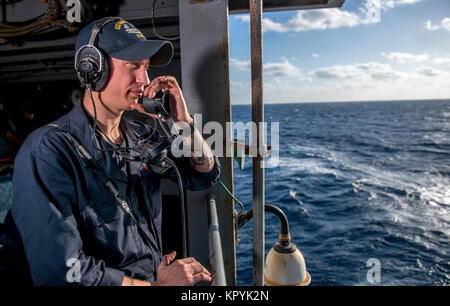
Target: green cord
[{"x": 231, "y": 195}]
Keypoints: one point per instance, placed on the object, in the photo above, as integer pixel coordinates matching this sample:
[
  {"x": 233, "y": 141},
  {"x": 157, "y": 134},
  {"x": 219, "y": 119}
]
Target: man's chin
[{"x": 132, "y": 102}]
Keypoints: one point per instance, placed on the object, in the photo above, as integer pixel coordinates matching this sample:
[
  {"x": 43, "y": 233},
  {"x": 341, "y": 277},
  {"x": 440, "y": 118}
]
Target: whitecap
[
  {"x": 272, "y": 162},
  {"x": 308, "y": 166},
  {"x": 434, "y": 195},
  {"x": 437, "y": 138},
  {"x": 397, "y": 219},
  {"x": 372, "y": 196},
  {"x": 360, "y": 182},
  {"x": 292, "y": 193}
]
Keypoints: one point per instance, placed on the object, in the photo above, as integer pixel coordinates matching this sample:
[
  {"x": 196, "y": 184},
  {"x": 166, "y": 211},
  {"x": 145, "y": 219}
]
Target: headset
[{"x": 91, "y": 64}]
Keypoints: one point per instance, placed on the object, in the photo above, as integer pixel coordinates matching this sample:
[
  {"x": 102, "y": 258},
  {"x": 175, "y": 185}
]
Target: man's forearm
[{"x": 202, "y": 159}]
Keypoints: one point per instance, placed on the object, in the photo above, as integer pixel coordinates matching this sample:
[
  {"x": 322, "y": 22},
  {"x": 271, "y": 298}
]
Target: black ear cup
[
  {"x": 87, "y": 65},
  {"x": 104, "y": 75},
  {"x": 92, "y": 67}
]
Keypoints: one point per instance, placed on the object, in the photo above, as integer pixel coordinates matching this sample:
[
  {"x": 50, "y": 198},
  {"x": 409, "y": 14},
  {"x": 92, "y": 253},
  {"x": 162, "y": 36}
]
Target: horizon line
[{"x": 354, "y": 101}]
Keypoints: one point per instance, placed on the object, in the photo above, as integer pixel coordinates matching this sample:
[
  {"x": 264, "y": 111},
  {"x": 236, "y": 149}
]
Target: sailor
[{"x": 72, "y": 228}]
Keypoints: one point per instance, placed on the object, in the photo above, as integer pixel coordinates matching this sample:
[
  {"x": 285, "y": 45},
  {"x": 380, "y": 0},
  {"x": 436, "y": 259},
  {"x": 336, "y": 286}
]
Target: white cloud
[
  {"x": 353, "y": 82},
  {"x": 430, "y": 72},
  {"x": 321, "y": 19},
  {"x": 313, "y": 20},
  {"x": 240, "y": 92},
  {"x": 359, "y": 71},
  {"x": 336, "y": 72},
  {"x": 377, "y": 73},
  {"x": 315, "y": 55},
  {"x": 405, "y": 57},
  {"x": 388, "y": 4},
  {"x": 245, "y": 18},
  {"x": 272, "y": 26},
  {"x": 444, "y": 25},
  {"x": 281, "y": 69},
  {"x": 441, "y": 60},
  {"x": 429, "y": 26},
  {"x": 380, "y": 72},
  {"x": 240, "y": 65},
  {"x": 278, "y": 69}
]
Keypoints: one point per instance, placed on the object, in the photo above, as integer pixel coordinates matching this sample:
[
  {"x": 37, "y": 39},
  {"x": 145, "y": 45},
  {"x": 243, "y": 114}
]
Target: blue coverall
[{"x": 65, "y": 214}]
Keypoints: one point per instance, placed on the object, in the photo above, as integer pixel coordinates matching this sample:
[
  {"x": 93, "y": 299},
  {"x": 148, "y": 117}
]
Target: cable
[
  {"x": 94, "y": 128},
  {"x": 183, "y": 213},
  {"x": 142, "y": 139},
  {"x": 120, "y": 150},
  {"x": 154, "y": 29},
  {"x": 50, "y": 21},
  {"x": 231, "y": 195}
]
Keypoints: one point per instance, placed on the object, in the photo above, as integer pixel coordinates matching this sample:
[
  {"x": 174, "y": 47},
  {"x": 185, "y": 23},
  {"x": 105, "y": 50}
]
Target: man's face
[{"x": 126, "y": 84}]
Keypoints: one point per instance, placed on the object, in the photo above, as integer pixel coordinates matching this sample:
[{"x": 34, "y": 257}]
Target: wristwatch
[{"x": 192, "y": 128}]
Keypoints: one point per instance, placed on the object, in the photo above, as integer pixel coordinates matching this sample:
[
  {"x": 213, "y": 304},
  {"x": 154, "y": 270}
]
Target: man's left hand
[{"x": 178, "y": 108}]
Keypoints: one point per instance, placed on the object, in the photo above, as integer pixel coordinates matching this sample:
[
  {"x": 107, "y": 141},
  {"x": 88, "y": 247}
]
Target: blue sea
[{"x": 358, "y": 181}]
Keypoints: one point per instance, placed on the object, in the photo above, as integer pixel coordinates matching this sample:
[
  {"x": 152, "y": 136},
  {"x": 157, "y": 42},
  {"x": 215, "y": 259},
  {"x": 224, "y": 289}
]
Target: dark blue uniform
[{"x": 66, "y": 217}]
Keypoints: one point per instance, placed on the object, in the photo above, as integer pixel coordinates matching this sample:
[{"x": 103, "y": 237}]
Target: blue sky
[{"x": 347, "y": 55}]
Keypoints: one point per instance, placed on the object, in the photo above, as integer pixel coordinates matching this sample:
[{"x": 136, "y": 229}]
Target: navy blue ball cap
[{"x": 122, "y": 40}]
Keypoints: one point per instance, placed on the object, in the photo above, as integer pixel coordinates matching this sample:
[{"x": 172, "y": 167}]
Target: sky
[{"x": 397, "y": 50}]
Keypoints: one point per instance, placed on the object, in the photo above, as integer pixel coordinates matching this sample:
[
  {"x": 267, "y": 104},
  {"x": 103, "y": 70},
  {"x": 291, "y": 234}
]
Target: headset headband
[{"x": 98, "y": 25}]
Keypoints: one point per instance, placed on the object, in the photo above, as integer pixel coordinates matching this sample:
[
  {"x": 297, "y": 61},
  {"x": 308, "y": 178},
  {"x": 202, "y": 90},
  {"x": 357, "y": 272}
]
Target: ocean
[{"x": 360, "y": 182}]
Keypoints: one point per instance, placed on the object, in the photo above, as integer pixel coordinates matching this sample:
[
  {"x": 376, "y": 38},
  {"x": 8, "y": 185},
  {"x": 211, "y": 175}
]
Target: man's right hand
[{"x": 182, "y": 272}]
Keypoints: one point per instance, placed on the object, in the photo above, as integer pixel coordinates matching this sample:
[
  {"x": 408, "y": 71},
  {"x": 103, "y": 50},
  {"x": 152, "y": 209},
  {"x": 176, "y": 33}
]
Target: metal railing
[
  {"x": 215, "y": 245},
  {"x": 258, "y": 141}
]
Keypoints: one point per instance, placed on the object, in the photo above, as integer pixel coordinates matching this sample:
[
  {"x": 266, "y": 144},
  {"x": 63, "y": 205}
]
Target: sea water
[{"x": 360, "y": 182}]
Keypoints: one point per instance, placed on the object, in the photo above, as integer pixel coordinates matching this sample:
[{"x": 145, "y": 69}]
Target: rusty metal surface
[
  {"x": 206, "y": 86},
  {"x": 257, "y": 137},
  {"x": 242, "y": 6}
]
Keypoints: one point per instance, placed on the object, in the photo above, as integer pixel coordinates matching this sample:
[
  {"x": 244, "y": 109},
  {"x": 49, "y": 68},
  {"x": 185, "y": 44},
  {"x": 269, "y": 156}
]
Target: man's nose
[{"x": 142, "y": 77}]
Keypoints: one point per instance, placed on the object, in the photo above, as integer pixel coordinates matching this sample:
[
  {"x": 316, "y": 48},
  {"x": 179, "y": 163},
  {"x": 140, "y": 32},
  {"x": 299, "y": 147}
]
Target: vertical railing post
[
  {"x": 257, "y": 141},
  {"x": 205, "y": 80}
]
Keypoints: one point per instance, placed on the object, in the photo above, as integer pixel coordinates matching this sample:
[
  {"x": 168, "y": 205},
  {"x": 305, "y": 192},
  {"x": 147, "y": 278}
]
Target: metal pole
[
  {"x": 215, "y": 245},
  {"x": 257, "y": 141},
  {"x": 205, "y": 52}
]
